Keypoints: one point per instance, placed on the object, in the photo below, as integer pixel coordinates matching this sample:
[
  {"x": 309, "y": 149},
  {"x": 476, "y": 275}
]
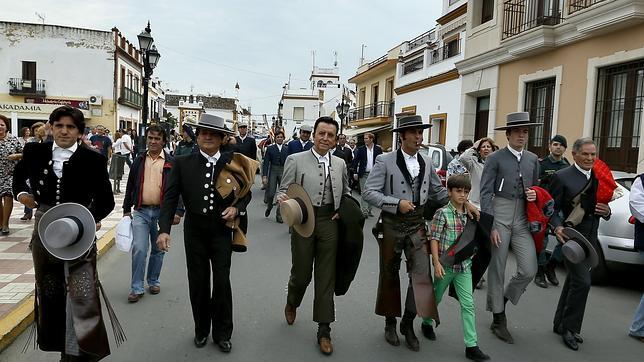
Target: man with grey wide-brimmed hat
[
  {"x": 507, "y": 176},
  {"x": 215, "y": 198},
  {"x": 575, "y": 188}
]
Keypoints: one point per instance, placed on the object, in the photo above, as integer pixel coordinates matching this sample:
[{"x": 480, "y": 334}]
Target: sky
[{"x": 212, "y": 45}]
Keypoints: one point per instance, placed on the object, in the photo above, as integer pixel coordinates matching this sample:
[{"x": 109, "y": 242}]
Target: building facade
[
  {"x": 128, "y": 85},
  {"x": 45, "y": 66},
  {"x": 427, "y": 81},
  {"x": 188, "y": 108},
  {"x": 576, "y": 65}
]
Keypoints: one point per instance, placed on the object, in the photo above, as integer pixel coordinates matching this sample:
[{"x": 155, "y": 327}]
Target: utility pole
[{"x": 362, "y": 54}]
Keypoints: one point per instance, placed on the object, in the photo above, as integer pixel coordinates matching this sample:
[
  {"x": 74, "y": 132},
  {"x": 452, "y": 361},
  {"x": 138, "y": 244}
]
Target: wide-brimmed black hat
[
  {"x": 578, "y": 249},
  {"x": 517, "y": 119},
  {"x": 67, "y": 230},
  {"x": 215, "y": 123},
  {"x": 410, "y": 122}
]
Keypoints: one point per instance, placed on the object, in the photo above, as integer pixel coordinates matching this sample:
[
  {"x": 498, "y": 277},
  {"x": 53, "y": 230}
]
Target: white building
[
  {"x": 427, "y": 81},
  {"x": 45, "y": 66},
  {"x": 298, "y": 107},
  {"x": 183, "y": 105}
]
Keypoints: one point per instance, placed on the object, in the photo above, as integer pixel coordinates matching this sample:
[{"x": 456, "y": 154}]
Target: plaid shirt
[{"x": 446, "y": 227}]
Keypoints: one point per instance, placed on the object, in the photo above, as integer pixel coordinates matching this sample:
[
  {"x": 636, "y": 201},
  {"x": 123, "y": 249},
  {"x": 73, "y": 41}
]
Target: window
[
  {"x": 413, "y": 65},
  {"x": 28, "y": 75},
  {"x": 487, "y": 10},
  {"x": 618, "y": 114},
  {"x": 453, "y": 48},
  {"x": 298, "y": 114},
  {"x": 320, "y": 83},
  {"x": 540, "y": 103},
  {"x": 481, "y": 118}
]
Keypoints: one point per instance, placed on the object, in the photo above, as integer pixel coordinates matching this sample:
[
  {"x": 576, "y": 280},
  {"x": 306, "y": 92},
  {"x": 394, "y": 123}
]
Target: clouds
[{"x": 215, "y": 44}]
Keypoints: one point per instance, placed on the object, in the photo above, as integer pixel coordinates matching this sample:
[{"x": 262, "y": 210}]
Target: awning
[{"x": 350, "y": 132}]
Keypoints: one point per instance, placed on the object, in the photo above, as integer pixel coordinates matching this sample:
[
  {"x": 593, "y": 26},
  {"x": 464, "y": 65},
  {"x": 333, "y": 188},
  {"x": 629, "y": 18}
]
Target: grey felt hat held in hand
[
  {"x": 67, "y": 230},
  {"x": 297, "y": 211},
  {"x": 578, "y": 249}
]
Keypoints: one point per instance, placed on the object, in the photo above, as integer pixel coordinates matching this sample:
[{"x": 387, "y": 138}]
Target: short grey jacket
[
  {"x": 390, "y": 181},
  {"x": 500, "y": 176},
  {"x": 304, "y": 169}
]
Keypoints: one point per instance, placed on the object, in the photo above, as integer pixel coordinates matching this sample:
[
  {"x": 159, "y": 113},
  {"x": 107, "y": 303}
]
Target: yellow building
[
  {"x": 375, "y": 83},
  {"x": 576, "y": 65}
]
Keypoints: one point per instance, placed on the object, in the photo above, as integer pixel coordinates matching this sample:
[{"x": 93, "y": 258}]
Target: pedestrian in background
[
  {"x": 455, "y": 167},
  {"x": 187, "y": 145},
  {"x": 363, "y": 161},
  {"x": 102, "y": 143},
  {"x": 473, "y": 159},
  {"x": 117, "y": 163},
  {"x": 246, "y": 145},
  {"x": 144, "y": 193},
  {"x": 636, "y": 204},
  {"x": 550, "y": 164},
  {"x": 126, "y": 150},
  {"x": 35, "y": 127},
  {"x": 303, "y": 143},
  {"x": 343, "y": 151},
  {"x": 26, "y": 137},
  {"x": 10, "y": 154},
  {"x": 272, "y": 169}
]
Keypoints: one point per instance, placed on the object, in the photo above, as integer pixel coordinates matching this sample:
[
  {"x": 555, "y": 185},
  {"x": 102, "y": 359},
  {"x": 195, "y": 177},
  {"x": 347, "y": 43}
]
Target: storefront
[{"x": 26, "y": 114}]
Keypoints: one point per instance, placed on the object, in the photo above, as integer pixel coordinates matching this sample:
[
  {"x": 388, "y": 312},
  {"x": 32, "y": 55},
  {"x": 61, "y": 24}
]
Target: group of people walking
[{"x": 448, "y": 235}]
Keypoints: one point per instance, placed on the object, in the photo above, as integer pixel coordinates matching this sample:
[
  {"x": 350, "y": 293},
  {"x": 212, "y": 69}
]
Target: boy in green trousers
[{"x": 446, "y": 227}]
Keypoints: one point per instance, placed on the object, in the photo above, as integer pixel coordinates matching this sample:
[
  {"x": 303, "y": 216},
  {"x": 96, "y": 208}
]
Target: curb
[{"x": 21, "y": 317}]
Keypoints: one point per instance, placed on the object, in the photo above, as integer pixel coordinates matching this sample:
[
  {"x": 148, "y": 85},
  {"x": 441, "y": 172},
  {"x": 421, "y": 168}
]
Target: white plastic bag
[{"x": 124, "y": 234}]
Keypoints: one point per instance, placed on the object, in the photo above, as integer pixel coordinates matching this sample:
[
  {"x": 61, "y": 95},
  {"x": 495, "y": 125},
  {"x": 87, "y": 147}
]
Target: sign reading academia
[{"x": 23, "y": 108}]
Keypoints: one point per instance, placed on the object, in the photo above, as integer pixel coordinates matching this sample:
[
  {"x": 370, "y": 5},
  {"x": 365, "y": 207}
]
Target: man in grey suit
[
  {"x": 324, "y": 177},
  {"x": 401, "y": 183},
  {"x": 507, "y": 175}
]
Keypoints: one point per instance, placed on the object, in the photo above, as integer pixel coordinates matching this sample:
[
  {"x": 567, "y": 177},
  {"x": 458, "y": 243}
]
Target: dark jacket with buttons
[
  {"x": 136, "y": 180},
  {"x": 247, "y": 147},
  {"x": 360, "y": 160},
  {"x": 390, "y": 181},
  {"x": 84, "y": 180},
  {"x": 504, "y": 176},
  {"x": 193, "y": 179},
  {"x": 274, "y": 157}
]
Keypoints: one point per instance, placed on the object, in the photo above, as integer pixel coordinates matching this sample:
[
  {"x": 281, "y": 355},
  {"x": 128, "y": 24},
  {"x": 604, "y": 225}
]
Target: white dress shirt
[
  {"x": 322, "y": 159},
  {"x": 369, "y": 158},
  {"x": 585, "y": 172},
  {"x": 412, "y": 164},
  {"x": 60, "y": 155},
  {"x": 636, "y": 200},
  {"x": 279, "y": 147},
  {"x": 516, "y": 153},
  {"x": 212, "y": 159}
]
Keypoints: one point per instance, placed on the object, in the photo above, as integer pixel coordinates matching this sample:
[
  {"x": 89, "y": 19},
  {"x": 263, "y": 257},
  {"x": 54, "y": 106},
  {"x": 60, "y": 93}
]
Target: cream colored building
[
  {"x": 575, "y": 65},
  {"x": 375, "y": 83}
]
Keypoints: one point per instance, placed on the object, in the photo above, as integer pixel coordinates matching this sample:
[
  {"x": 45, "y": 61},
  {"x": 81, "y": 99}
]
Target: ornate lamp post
[
  {"x": 343, "y": 110},
  {"x": 150, "y": 59}
]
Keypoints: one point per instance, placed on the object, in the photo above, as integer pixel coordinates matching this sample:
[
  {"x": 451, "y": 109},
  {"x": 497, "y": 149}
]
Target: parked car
[
  {"x": 615, "y": 236},
  {"x": 440, "y": 159}
]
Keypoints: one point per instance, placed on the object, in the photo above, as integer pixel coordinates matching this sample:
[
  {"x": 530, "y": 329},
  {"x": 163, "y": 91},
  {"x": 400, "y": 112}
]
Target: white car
[{"x": 615, "y": 236}]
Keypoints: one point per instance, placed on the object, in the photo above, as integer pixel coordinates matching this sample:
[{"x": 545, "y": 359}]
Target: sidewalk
[{"x": 17, "y": 271}]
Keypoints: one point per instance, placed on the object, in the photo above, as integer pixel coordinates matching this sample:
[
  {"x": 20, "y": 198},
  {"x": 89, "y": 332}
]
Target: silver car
[{"x": 615, "y": 236}]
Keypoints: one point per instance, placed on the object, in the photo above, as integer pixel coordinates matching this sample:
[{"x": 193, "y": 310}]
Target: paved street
[{"x": 160, "y": 327}]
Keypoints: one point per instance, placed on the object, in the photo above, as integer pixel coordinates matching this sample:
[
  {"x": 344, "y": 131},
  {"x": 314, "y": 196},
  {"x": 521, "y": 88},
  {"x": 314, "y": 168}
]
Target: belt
[{"x": 150, "y": 206}]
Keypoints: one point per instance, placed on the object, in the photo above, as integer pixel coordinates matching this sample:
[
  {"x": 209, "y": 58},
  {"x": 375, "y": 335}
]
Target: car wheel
[{"x": 599, "y": 274}]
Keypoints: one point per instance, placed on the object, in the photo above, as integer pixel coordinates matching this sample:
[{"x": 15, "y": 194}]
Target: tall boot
[
  {"x": 390, "y": 331},
  {"x": 407, "y": 330},
  {"x": 540, "y": 278},
  {"x": 114, "y": 187},
  {"x": 500, "y": 329},
  {"x": 550, "y": 272}
]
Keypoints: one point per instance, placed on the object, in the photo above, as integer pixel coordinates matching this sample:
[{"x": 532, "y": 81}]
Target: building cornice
[
  {"x": 461, "y": 10},
  {"x": 306, "y": 97},
  {"x": 382, "y": 67},
  {"x": 428, "y": 82}
]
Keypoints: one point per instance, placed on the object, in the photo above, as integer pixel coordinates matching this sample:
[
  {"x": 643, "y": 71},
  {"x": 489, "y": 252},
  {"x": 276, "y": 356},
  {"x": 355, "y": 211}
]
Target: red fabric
[
  {"x": 538, "y": 213},
  {"x": 606, "y": 185}
]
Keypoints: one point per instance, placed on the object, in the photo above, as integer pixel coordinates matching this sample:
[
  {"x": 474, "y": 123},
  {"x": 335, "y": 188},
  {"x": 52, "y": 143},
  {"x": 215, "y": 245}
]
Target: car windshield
[{"x": 625, "y": 182}]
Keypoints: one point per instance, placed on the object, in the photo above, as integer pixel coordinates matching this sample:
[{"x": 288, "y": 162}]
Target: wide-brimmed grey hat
[
  {"x": 297, "y": 211},
  {"x": 215, "y": 123},
  {"x": 67, "y": 230},
  {"x": 578, "y": 249},
  {"x": 410, "y": 122},
  {"x": 517, "y": 119}
]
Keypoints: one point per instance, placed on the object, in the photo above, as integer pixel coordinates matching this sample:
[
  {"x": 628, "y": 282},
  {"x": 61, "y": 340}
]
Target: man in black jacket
[
  {"x": 58, "y": 173},
  {"x": 343, "y": 151},
  {"x": 565, "y": 186},
  {"x": 207, "y": 238},
  {"x": 272, "y": 168},
  {"x": 246, "y": 145}
]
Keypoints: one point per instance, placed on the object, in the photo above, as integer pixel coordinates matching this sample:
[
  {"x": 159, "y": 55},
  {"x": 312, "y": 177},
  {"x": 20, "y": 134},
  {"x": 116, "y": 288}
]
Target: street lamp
[
  {"x": 343, "y": 110},
  {"x": 150, "y": 57}
]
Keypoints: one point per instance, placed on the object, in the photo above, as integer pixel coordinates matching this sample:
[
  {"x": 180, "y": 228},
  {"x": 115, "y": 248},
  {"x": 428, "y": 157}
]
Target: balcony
[
  {"x": 522, "y": 15},
  {"x": 131, "y": 98},
  {"x": 576, "y": 5},
  {"x": 27, "y": 87},
  {"x": 420, "y": 40},
  {"x": 376, "y": 110},
  {"x": 447, "y": 51}
]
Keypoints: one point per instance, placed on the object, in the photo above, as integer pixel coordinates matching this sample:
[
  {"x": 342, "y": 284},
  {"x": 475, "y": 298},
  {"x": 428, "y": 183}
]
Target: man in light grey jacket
[{"x": 507, "y": 175}]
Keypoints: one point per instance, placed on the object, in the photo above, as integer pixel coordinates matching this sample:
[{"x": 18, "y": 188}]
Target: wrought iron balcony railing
[
  {"x": 27, "y": 87},
  {"x": 420, "y": 40},
  {"x": 380, "y": 109},
  {"x": 447, "y": 51},
  {"x": 576, "y": 5},
  {"x": 522, "y": 15}
]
